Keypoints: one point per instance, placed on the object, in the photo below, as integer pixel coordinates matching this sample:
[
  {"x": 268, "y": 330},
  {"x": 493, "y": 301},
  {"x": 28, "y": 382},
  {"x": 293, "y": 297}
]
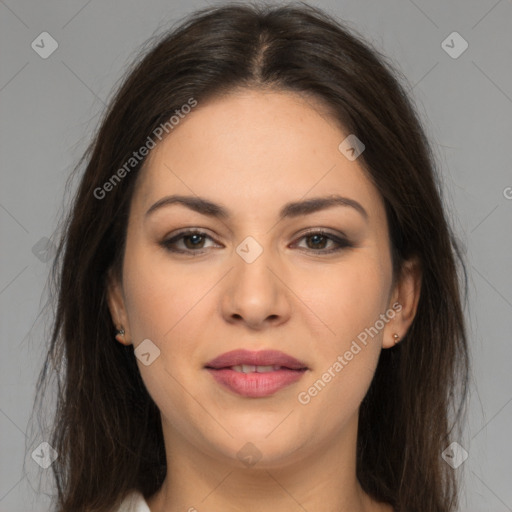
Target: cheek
[
  {"x": 159, "y": 298},
  {"x": 173, "y": 308},
  {"x": 348, "y": 298},
  {"x": 350, "y": 302},
  {"x": 163, "y": 306}
]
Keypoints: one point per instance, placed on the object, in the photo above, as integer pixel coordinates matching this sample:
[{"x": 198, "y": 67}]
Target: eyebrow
[{"x": 289, "y": 210}]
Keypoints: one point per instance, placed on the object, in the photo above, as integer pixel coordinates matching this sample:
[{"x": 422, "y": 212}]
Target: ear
[
  {"x": 404, "y": 302},
  {"x": 116, "y": 305}
]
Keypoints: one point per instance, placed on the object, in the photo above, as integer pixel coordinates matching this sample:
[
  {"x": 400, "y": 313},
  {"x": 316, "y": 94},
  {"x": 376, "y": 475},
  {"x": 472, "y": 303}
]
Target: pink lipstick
[{"x": 256, "y": 374}]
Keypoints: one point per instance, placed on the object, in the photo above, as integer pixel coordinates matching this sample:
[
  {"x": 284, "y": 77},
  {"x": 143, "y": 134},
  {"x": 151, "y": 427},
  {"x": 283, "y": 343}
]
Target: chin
[{"x": 256, "y": 449}]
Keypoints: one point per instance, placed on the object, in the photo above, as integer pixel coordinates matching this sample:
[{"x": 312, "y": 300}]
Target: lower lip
[{"x": 256, "y": 385}]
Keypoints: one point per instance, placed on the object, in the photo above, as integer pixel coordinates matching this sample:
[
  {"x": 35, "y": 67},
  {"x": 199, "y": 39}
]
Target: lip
[
  {"x": 259, "y": 358},
  {"x": 256, "y": 385}
]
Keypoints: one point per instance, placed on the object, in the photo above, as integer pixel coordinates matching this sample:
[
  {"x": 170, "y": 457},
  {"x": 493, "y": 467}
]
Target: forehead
[{"x": 255, "y": 149}]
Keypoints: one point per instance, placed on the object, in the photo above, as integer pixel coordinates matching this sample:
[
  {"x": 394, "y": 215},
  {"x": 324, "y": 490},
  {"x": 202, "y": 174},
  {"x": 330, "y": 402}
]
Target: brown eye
[
  {"x": 193, "y": 241},
  {"x": 188, "y": 242},
  {"x": 318, "y": 241}
]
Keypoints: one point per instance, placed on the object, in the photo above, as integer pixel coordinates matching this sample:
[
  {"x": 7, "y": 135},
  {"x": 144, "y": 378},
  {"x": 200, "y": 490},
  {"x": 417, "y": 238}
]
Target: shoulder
[{"x": 133, "y": 502}]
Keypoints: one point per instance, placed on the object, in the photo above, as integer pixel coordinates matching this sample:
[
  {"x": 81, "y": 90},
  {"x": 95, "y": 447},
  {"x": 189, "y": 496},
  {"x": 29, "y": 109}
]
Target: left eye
[
  {"x": 193, "y": 242},
  {"x": 316, "y": 241}
]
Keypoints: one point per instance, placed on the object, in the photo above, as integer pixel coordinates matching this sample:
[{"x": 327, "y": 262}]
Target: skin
[{"x": 252, "y": 152}]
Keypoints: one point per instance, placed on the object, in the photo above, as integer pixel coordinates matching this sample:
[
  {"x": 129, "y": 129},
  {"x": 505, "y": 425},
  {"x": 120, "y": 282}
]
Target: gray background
[{"x": 50, "y": 107}]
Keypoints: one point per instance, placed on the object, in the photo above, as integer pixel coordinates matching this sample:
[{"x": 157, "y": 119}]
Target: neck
[{"x": 322, "y": 479}]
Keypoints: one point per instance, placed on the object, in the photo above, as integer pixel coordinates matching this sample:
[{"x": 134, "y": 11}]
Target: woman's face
[{"x": 259, "y": 278}]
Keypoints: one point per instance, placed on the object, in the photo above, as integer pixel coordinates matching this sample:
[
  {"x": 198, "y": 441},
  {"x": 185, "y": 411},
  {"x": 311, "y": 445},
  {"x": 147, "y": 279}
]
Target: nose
[{"x": 256, "y": 294}]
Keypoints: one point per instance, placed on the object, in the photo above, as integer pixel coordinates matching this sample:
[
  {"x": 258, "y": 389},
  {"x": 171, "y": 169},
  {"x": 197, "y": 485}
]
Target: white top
[{"x": 134, "y": 502}]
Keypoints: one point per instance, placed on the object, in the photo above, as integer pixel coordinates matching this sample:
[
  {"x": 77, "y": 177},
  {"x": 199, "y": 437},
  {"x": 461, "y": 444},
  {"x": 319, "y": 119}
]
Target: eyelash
[{"x": 343, "y": 243}]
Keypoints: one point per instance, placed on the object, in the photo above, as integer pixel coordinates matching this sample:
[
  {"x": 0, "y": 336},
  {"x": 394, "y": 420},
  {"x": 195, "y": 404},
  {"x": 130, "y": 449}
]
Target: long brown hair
[{"x": 106, "y": 428}]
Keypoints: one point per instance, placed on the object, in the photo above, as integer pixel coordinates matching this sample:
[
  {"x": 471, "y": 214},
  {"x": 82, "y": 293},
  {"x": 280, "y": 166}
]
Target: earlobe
[
  {"x": 120, "y": 336},
  {"x": 404, "y": 302},
  {"x": 115, "y": 300}
]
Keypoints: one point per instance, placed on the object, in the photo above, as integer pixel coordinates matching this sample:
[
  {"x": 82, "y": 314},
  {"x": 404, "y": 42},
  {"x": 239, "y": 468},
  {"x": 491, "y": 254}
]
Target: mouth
[{"x": 255, "y": 374}]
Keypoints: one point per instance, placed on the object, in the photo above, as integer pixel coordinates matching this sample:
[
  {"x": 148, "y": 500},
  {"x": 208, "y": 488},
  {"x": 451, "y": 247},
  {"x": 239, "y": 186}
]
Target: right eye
[{"x": 190, "y": 241}]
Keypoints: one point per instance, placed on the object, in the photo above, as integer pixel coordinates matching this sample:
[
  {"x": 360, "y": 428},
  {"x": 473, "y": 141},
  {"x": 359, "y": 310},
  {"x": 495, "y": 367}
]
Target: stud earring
[
  {"x": 120, "y": 335},
  {"x": 396, "y": 338}
]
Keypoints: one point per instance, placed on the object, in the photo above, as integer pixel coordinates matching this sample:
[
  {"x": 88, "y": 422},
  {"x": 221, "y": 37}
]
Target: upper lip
[{"x": 259, "y": 358}]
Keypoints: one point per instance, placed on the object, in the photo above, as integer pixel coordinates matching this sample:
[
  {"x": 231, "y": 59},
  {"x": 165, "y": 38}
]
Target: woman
[{"x": 259, "y": 304}]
